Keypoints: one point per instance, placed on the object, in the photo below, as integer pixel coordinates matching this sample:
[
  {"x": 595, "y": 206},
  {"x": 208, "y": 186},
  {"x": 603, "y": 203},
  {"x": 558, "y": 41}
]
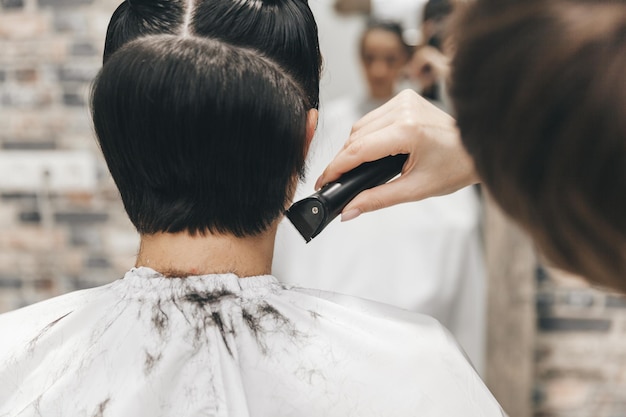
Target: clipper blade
[
  {"x": 308, "y": 217},
  {"x": 311, "y": 215}
]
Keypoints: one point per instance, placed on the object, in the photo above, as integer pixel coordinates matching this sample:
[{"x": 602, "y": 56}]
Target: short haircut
[
  {"x": 200, "y": 136},
  {"x": 283, "y": 30},
  {"x": 540, "y": 93}
]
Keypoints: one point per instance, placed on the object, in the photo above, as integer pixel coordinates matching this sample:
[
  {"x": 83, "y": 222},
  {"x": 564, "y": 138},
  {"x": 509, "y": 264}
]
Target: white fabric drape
[{"x": 218, "y": 345}]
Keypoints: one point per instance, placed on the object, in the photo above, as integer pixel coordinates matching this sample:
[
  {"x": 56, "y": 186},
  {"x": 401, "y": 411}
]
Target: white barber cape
[
  {"x": 218, "y": 345},
  {"x": 425, "y": 257}
]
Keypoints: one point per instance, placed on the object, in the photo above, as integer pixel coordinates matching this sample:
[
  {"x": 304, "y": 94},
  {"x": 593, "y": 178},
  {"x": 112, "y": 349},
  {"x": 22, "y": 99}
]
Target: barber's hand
[
  {"x": 428, "y": 66},
  {"x": 407, "y": 124}
]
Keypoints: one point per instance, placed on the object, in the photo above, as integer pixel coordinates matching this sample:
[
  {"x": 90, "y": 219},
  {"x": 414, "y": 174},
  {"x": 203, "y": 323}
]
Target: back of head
[
  {"x": 199, "y": 136},
  {"x": 283, "y": 30},
  {"x": 539, "y": 89}
]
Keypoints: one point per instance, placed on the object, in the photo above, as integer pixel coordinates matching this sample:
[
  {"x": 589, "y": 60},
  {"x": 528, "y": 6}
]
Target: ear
[{"x": 312, "y": 117}]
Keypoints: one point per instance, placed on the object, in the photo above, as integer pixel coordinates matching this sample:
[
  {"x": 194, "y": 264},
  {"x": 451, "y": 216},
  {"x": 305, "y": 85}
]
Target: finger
[
  {"x": 385, "y": 116},
  {"x": 369, "y": 148},
  {"x": 389, "y": 108},
  {"x": 375, "y": 125},
  {"x": 377, "y": 198}
]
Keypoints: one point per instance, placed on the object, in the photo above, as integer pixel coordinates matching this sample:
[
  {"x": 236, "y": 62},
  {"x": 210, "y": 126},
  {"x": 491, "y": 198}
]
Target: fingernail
[
  {"x": 318, "y": 184},
  {"x": 350, "y": 214}
]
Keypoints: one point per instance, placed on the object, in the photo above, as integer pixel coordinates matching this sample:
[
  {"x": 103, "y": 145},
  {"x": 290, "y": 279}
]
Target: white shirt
[
  {"x": 425, "y": 257},
  {"x": 218, "y": 345}
]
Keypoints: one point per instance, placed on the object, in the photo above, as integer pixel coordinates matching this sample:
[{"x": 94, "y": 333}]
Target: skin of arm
[{"x": 408, "y": 124}]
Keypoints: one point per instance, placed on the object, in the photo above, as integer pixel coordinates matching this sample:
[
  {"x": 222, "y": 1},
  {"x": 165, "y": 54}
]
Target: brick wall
[
  {"x": 580, "y": 349},
  {"x": 53, "y": 242}
]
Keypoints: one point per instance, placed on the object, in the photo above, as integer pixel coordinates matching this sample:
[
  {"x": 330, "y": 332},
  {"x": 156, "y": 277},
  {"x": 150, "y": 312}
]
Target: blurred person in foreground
[
  {"x": 199, "y": 326},
  {"x": 540, "y": 95},
  {"x": 424, "y": 257}
]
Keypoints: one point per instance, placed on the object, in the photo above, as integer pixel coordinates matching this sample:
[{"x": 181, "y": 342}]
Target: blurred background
[{"x": 553, "y": 345}]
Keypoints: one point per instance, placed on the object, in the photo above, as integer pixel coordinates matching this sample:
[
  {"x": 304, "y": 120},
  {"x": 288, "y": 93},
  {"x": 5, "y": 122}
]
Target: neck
[{"x": 182, "y": 255}]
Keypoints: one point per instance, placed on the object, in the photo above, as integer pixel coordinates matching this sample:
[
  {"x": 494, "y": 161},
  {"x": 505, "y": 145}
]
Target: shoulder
[
  {"x": 386, "y": 358},
  {"x": 368, "y": 308},
  {"x": 381, "y": 327},
  {"x": 23, "y": 325}
]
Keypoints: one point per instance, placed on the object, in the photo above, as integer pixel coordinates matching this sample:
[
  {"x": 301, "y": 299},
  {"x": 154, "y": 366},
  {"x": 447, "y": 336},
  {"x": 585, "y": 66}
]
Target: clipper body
[{"x": 312, "y": 214}]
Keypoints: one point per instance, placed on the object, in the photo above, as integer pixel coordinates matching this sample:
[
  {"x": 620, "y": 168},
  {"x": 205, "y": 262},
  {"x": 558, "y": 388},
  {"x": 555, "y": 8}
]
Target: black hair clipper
[{"x": 312, "y": 214}]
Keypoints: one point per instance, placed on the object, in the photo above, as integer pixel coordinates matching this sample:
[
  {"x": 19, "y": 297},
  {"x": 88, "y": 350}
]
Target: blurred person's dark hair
[
  {"x": 539, "y": 90},
  {"x": 283, "y": 30},
  {"x": 437, "y": 9},
  {"x": 199, "y": 135},
  {"x": 436, "y": 13},
  {"x": 390, "y": 26},
  {"x": 435, "y": 18}
]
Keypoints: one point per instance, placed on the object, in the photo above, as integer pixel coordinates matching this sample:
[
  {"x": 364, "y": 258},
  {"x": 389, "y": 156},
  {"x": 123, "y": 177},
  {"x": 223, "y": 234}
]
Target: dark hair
[
  {"x": 390, "y": 26},
  {"x": 540, "y": 96},
  {"x": 437, "y": 10},
  {"x": 283, "y": 30},
  {"x": 199, "y": 135}
]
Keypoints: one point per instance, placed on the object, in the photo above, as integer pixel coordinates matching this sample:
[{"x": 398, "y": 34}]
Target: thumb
[{"x": 377, "y": 198}]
